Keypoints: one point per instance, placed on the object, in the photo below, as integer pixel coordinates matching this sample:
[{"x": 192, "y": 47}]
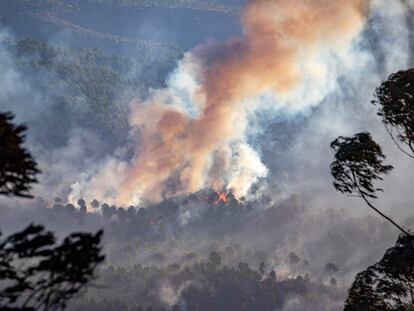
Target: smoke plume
[{"x": 192, "y": 134}]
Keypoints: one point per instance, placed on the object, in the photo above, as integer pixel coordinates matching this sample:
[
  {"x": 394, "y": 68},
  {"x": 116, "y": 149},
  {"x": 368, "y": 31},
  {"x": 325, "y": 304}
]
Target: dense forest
[{"x": 91, "y": 84}]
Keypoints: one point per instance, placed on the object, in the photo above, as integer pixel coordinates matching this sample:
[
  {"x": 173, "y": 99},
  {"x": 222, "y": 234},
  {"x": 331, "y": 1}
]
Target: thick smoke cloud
[
  {"x": 347, "y": 111},
  {"x": 192, "y": 135}
]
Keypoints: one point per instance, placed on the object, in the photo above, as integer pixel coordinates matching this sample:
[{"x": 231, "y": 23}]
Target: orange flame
[{"x": 222, "y": 197}]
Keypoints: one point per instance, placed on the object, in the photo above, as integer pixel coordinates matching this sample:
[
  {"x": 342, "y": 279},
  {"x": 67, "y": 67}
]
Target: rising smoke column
[{"x": 192, "y": 134}]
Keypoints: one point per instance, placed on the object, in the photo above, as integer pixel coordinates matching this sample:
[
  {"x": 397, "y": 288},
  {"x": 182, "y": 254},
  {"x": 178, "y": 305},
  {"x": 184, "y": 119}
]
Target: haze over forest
[{"x": 197, "y": 135}]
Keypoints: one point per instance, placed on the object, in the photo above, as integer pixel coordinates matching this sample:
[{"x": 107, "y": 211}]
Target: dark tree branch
[{"x": 397, "y": 144}]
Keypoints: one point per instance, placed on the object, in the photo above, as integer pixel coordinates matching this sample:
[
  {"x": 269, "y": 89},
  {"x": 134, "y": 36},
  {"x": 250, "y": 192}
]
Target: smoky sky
[
  {"x": 79, "y": 159},
  {"x": 293, "y": 145}
]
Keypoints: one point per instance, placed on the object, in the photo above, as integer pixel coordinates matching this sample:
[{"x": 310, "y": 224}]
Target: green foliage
[
  {"x": 86, "y": 88},
  {"x": 91, "y": 86},
  {"x": 395, "y": 101},
  {"x": 17, "y": 167},
  {"x": 358, "y": 163}
]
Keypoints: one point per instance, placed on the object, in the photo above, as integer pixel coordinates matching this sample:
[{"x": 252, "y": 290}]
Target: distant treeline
[{"x": 204, "y": 286}]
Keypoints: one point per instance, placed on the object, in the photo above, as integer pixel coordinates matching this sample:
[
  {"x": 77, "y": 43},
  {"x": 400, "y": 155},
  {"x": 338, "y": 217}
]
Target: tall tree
[
  {"x": 395, "y": 101},
  {"x": 17, "y": 167},
  {"x": 388, "y": 284},
  {"x": 358, "y": 164},
  {"x": 294, "y": 259}
]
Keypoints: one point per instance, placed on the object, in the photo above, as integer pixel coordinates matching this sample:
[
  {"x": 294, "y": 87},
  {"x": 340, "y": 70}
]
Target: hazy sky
[
  {"x": 238, "y": 109},
  {"x": 286, "y": 132}
]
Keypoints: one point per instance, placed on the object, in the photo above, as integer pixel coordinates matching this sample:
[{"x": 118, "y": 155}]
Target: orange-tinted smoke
[{"x": 179, "y": 153}]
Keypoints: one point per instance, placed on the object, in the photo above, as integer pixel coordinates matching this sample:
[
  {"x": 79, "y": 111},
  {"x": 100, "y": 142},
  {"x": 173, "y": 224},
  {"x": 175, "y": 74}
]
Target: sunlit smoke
[{"x": 192, "y": 134}]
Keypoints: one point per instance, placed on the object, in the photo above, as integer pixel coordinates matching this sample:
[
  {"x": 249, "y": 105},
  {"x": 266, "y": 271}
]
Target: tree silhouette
[
  {"x": 108, "y": 212},
  {"x": 37, "y": 274},
  {"x": 262, "y": 268},
  {"x": 214, "y": 260},
  {"x": 387, "y": 285},
  {"x": 95, "y": 203},
  {"x": 358, "y": 164},
  {"x": 273, "y": 276},
  {"x": 17, "y": 167},
  {"x": 294, "y": 259},
  {"x": 395, "y": 101}
]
